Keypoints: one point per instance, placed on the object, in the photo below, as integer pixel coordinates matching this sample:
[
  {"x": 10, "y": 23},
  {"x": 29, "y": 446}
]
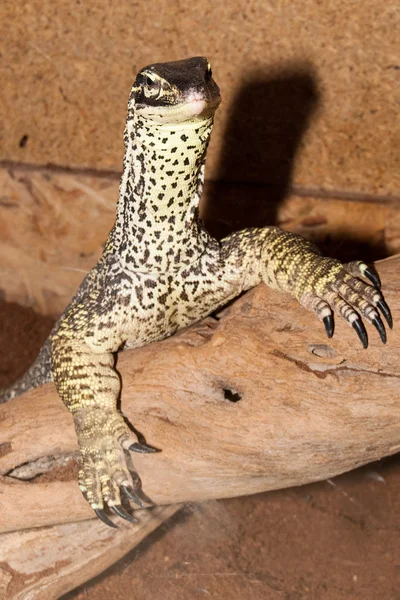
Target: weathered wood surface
[
  {"x": 309, "y": 409},
  {"x": 53, "y": 225},
  {"x": 45, "y": 563}
]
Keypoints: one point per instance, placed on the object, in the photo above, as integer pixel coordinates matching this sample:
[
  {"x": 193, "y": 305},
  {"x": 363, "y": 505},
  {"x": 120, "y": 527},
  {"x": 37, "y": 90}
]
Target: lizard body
[{"x": 161, "y": 271}]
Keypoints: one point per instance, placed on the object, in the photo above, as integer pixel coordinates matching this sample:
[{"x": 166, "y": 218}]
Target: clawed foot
[
  {"x": 104, "y": 477},
  {"x": 340, "y": 288},
  {"x": 119, "y": 510}
]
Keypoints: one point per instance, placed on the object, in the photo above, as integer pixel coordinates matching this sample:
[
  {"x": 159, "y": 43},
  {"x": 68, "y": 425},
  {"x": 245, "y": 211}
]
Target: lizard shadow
[{"x": 266, "y": 125}]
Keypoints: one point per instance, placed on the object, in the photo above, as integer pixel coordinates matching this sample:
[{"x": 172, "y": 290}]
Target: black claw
[
  {"x": 146, "y": 498},
  {"x": 121, "y": 512},
  {"x": 358, "y": 325},
  {"x": 380, "y": 327},
  {"x": 386, "y": 312},
  {"x": 103, "y": 517},
  {"x": 142, "y": 448},
  {"x": 129, "y": 492},
  {"x": 329, "y": 325},
  {"x": 373, "y": 277}
]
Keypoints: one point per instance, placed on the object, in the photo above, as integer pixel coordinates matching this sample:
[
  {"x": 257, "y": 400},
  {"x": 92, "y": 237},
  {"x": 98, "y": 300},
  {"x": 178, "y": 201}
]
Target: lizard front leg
[
  {"x": 89, "y": 386},
  {"x": 287, "y": 262}
]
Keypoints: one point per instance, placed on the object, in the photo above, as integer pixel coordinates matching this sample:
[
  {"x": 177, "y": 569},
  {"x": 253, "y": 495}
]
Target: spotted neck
[{"x": 157, "y": 226}]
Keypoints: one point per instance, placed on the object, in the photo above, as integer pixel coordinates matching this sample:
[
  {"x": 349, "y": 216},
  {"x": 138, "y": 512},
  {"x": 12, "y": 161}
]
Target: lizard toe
[
  {"x": 142, "y": 448},
  {"x": 377, "y": 322},
  {"x": 359, "y": 328},
  {"x": 342, "y": 290},
  {"x": 121, "y": 512},
  {"x": 131, "y": 494},
  {"x": 359, "y": 268},
  {"x": 329, "y": 325},
  {"x": 103, "y": 517},
  {"x": 386, "y": 312}
]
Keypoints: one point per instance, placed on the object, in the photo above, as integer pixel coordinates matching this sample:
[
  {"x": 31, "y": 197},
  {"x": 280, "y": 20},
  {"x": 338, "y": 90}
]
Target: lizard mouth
[
  {"x": 200, "y": 103},
  {"x": 194, "y": 105},
  {"x": 200, "y": 107}
]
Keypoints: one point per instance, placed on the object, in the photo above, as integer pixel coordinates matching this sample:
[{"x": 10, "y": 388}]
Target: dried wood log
[
  {"x": 47, "y": 562},
  {"x": 256, "y": 400}
]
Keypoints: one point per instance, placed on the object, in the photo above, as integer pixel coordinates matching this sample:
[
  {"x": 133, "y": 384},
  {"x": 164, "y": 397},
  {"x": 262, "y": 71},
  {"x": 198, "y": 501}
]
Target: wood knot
[{"x": 322, "y": 350}]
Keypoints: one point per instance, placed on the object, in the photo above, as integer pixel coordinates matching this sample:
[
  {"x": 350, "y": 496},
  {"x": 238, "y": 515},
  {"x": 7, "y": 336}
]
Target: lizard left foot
[{"x": 338, "y": 287}]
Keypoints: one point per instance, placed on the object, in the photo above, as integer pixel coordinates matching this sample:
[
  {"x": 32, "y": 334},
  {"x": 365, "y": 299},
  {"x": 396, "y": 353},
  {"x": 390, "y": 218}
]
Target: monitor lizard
[{"x": 161, "y": 270}]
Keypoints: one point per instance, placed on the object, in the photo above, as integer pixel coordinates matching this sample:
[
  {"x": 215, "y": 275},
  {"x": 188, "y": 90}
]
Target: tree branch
[{"x": 254, "y": 401}]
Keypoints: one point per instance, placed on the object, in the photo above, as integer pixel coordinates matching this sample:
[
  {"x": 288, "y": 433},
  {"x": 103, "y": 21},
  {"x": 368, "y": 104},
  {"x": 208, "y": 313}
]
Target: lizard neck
[{"x": 157, "y": 225}]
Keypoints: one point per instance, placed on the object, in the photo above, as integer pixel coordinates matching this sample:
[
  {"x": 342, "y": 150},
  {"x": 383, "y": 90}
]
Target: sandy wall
[{"x": 311, "y": 89}]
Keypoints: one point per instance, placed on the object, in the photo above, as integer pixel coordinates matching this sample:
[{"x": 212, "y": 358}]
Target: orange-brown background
[
  {"x": 67, "y": 66},
  {"x": 307, "y": 136}
]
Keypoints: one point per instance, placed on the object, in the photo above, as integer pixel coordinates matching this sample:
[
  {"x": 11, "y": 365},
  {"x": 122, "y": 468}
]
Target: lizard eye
[
  {"x": 152, "y": 87},
  {"x": 209, "y": 70}
]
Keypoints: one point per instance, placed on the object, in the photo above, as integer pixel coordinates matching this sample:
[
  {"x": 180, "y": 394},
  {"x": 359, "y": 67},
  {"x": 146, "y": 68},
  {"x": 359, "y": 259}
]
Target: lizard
[{"x": 161, "y": 270}]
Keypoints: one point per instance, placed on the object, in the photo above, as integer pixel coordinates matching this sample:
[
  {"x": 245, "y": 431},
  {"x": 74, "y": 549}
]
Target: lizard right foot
[{"x": 104, "y": 477}]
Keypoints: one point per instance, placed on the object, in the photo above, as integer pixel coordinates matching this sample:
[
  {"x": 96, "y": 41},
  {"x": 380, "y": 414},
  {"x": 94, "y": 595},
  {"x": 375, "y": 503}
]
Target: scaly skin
[{"x": 161, "y": 271}]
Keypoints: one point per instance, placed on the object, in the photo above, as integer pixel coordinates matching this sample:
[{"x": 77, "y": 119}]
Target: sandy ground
[{"x": 334, "y": 540}]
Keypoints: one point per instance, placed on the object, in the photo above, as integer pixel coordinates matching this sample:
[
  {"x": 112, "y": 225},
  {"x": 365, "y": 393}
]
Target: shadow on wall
[
  {"x": 266, "y": 124},
  {"x": 267, "y": 121}
]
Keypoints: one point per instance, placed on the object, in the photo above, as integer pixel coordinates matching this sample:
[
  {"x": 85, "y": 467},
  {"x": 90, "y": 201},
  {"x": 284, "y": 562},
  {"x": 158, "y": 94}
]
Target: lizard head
[{"x": 175, "y": 92}]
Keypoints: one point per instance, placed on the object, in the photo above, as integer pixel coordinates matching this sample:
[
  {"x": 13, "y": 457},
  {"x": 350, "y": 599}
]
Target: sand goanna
[{"x": 161, "y": 271}]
